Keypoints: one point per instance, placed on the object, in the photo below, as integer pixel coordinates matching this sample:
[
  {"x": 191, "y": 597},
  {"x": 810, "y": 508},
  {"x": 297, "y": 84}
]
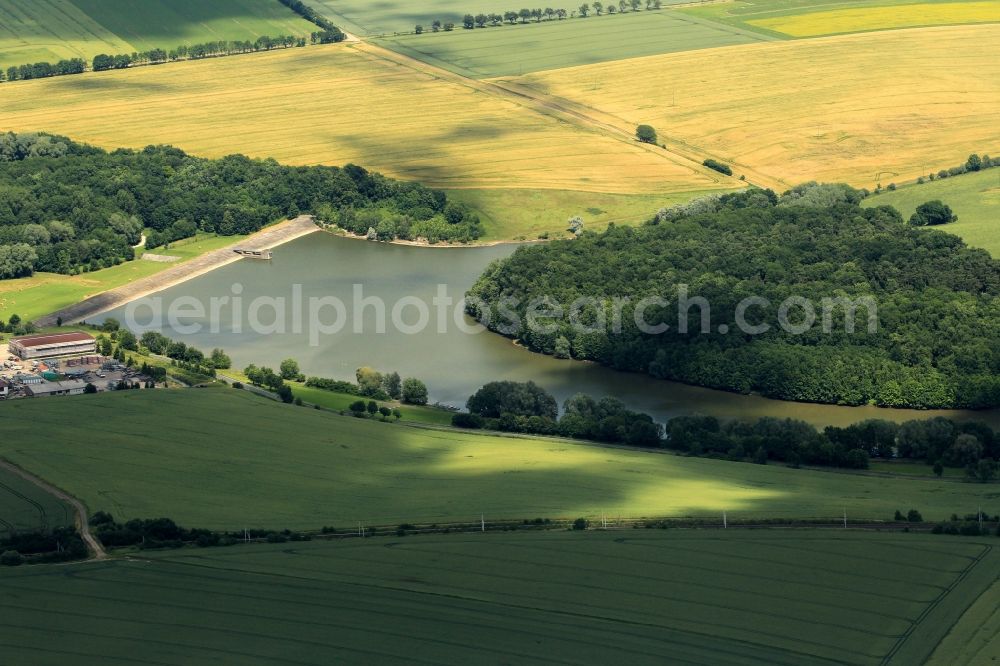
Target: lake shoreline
[
  {"x": 267, "y": 238},
  {"x": 343, "y": 233}
]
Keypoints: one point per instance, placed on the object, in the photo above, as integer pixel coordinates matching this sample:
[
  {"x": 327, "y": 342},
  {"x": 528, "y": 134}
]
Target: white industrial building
[{"x": 56, "y": 344}]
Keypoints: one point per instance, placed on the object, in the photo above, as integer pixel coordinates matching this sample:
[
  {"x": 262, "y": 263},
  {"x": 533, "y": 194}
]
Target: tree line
[
  {"x": 157, "y": 56},
  {"x": 370, "y": 384},
  {"x": 62, "y": 544},
  {"x": 972, "y": 164},
  {"x": 328, "y": 33},
  {"x": 938, "y": 442},
  {"x": 70, "y": 208},
  {"x": 937, "y": 340},
  {"x": 527, "y": 408},
  {"x": 537, "y": 15}
]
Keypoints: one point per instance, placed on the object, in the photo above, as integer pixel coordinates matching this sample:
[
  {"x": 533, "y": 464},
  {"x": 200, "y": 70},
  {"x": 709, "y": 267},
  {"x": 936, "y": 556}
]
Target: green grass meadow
[
  {"x": 521, "y": 49},
  {"x": 975, "y": 198},
  {"x": 635, "y": 596},
  {"x": 224, "y": 459},
  {"x": 25, "y": 507},
  {"x": 51, "y": 30}
]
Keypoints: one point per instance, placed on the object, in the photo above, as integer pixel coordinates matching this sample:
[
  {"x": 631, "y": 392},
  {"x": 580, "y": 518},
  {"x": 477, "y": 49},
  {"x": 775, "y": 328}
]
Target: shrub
[
  {"x": 466, "y": 420},
  {"x": 11, "y": 558},
  {"x": 645, "y": 134},
  {"x": 914, "y": 516},
  {"x": 724, "y": 168},
  {"x": 580, "y": 524}
]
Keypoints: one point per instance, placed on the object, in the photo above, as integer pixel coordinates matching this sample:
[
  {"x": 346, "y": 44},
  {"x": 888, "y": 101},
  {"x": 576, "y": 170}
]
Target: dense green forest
[
  {"x": 937, "y": 342},
  {"x": 67, "y": 207}
]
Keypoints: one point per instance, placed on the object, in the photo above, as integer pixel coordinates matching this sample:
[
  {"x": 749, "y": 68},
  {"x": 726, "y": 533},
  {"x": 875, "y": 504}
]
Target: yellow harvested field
[
  {"x": 338, "y": 104},
  {"x": 860, "y": 19},
  {"x": 859, "y": 108}
]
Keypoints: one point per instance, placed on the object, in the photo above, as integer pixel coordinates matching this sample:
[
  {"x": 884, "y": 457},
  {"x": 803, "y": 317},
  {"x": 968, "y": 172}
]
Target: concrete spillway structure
[{"x": 253, "y": 254}]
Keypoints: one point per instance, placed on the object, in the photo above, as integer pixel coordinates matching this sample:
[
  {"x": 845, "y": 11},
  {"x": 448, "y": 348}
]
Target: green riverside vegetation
[{"x": 937, "y": 340}]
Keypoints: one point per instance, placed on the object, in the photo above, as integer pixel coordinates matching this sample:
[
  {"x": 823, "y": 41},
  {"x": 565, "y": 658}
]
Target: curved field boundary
[{"x": 83, "y": 525}]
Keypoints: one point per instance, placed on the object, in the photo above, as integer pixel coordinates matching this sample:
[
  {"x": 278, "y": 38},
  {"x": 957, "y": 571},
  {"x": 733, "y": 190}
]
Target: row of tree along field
[
  {"x": 935, "y": 302},
  {"x": 524, "y": 16},
  {"x": 103, "y": 61},
  {"x": 526, "y": 408},
  {"x": 328, "y": 33},
  {"x": 70, "y": 208}
]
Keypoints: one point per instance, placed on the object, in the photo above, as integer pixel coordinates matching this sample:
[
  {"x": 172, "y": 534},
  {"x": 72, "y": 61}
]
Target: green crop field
[
  {"x": 129, "y": 454},
  {"x": 400, "y": 16},
  {"x": 50, "y": 30},
  {"x": 25, "y": 507},
  {"x": 42, "y": 293},
  {"x": 520, "y": 49},
  {"x": 786, "y": 19},
  {"x": 636, "y": 597},
  {"x": 975, "y": 198},
  {"x": 975, "y": 638}
]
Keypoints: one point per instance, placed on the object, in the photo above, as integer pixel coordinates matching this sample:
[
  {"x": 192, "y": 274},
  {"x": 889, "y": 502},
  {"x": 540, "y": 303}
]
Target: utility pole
[
  {"x": 845, "y": 518},
  {"x": 482, "y": 521},
  {"x": 725, "y": 521}
]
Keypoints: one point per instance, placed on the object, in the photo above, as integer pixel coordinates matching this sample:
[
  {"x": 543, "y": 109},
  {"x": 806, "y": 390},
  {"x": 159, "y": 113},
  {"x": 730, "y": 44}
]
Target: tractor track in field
[
  {"x": 97, "y": 551},
  {"x": 563, "y": 110}
]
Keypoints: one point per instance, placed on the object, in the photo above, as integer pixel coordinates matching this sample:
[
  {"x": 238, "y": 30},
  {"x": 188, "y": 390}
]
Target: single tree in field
[
  {"x": 622, "y": 5},
  {"x": 289, "y": 368},
  {"x": 974, "y": 163},
  {"x": 657, "y": 4},
  {"x": 468, "y": 21},
  {"x": 635, "y": 4},
  {"x": 481, "y": 20},
  {"x": 372, "y": 407},
  {"x": 496, "y": 19},
  {"x": 414, "y": 391},
  {"x": 392, "y": 385},
  {"x": 560, "y": 14},
  {"x": 537, "y": 15},
  {"x": 510, "y": 17},
  {"x": 436, "y": 25},
  {"x": 932, "y": 213},
  {"x": 396, "y": 413},
  {"x": 598, "y": 7},
  {"x": 358, "y": 407},
  {"x": 611, "y": 9},
  {"x": 549, "y": 13},
  {"x": 385, "y": 412},
  {"x": 584, "y": 10},
  {"x": 524, "y": 14},
  {"x": 645, "y": 134},
  {"x": 448, "y": 27},
  {"x": 419, "y": 29}
]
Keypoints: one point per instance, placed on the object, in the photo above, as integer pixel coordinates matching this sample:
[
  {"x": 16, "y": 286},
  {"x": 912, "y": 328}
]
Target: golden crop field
[
  {"x": 337, "y": 104},
  {"x": 857, "y": 108},
  {"x": 860, "y": 19}
]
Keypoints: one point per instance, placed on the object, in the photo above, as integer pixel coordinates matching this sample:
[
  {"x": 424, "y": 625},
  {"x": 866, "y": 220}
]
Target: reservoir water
[{"x": 452, "y": 363}]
